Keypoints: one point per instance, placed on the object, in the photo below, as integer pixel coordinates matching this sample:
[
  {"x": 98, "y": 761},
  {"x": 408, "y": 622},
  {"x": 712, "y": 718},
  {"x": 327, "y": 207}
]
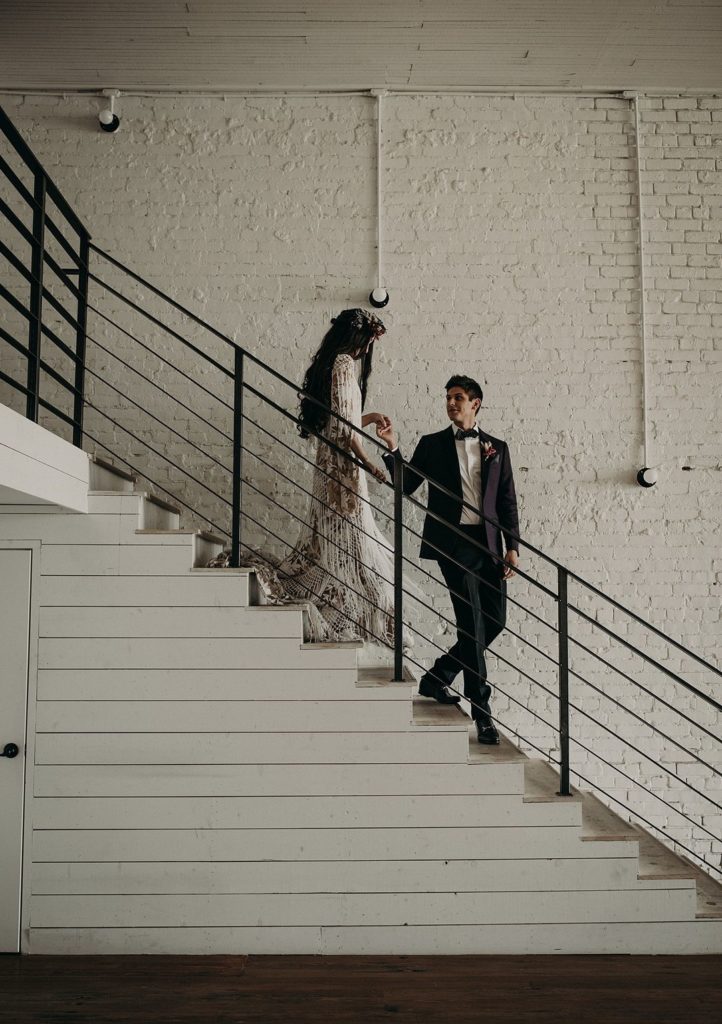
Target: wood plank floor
[{"x": 345, "y": 989}]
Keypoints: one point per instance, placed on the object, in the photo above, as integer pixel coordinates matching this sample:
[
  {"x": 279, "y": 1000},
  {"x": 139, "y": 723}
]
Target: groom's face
[{"x": 461, "y": 409}]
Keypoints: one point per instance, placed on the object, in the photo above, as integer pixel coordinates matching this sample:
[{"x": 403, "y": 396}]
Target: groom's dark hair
[{"x": 467, "y": 384}]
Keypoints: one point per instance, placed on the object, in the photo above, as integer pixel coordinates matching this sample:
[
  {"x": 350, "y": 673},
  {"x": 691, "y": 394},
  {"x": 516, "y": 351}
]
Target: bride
[{"x": 340, "y": 562}]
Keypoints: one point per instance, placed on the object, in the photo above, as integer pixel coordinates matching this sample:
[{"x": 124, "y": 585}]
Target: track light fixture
[{"x": 109, "y": 120}]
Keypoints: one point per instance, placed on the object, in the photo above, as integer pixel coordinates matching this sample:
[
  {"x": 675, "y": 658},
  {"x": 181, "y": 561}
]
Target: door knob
[{"x": 10, "y": 750}]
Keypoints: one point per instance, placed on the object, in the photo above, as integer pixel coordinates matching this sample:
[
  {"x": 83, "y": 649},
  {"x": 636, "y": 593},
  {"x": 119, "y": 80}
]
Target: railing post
[
  {"x": 237, "y": 459},
  {"x": 79, "y": 403},
  {"x": 36, "y": 299},
  {"x": 398, "y": 567},
  {"x": 563, "y": 626}
]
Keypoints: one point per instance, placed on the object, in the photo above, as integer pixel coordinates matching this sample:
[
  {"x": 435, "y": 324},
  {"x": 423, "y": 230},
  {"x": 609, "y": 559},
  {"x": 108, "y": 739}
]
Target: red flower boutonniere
[{"x": 488, "y": 450}]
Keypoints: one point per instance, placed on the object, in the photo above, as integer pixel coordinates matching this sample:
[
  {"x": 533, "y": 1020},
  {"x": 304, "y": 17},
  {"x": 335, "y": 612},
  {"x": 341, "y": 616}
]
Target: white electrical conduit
[
  {"x": 647, "y": 476},
  {"x": 379, "y": 297}
]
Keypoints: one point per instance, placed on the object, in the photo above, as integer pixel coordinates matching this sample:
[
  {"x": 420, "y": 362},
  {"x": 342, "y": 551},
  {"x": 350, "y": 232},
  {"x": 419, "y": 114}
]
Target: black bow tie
[{"x": 462, "y": 434}]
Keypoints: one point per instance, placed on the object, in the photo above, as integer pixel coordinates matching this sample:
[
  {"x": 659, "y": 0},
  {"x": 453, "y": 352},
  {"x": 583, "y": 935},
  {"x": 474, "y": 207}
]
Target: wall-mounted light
[{"x": 109, "y": 120}]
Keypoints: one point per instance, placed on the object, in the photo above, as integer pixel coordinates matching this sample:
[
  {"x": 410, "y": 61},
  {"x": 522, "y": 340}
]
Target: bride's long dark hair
[{"x": 351, "y": 332}]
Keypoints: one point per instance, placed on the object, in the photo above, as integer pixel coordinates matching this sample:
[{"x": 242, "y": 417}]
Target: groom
[{"x": 476, "y": 468}]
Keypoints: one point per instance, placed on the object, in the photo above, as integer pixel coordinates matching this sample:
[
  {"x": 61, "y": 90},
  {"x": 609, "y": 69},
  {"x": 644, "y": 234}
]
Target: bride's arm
[{"x": 358, "y": 450}]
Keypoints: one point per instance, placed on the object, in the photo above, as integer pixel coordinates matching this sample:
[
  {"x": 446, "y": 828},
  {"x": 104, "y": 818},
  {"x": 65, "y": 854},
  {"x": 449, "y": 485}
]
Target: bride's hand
[
  {"x": 375, "y": 471},
  {"x": 378, "y": 418}
]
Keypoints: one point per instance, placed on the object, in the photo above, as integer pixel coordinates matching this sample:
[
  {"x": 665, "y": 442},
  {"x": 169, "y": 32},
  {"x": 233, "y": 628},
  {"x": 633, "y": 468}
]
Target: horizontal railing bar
[
  {"x": 156, "y": 419},
  {"x": 464, "y": 632},
  {"x": 155, "y": 483},
  {"x": 153, "y": 384},
  {"x": 158, "y": 355},
  {"x": 457, "y": 531},
  {"x": 17, "y": 183},
  {"x": 368, "y": 600},
  {"x": 641, "y": 817},
  {"x": 647, "y": 657},
  {"x": 288, "y": 576},
  {"x": 155, "y": 451},
  {"x": 474, "y": 574},
  {"x": 15, "y": 303},
  {"x": 646, "y": 789},
  {"x": 441, "y": 583},
  {"x": 62, "y": 276},
  {"x": 310, "y": 494},
  {"x": 310, "y": 462},
  {"x": 62, "y": 240},
  {"x": 159, "y": 323},
  {"x": 10, "y": 215},
  {"x": 496, "y": 718},
  {"x": 30, "y": 159},
  {"x": 648, "y": 757},
  {"x": 18, "y": 346},
  {"x": 16, "y": 262},
  {"x": 646, "y": 722},
  {"x": 642, "y": 687},
  {"x": 644, "y": 622}
]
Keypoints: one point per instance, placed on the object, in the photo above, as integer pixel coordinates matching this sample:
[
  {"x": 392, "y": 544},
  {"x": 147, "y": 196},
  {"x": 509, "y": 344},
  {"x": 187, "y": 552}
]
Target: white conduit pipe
[
  {"x": 647, "y": 476},
  {"x": 379, "y": 297}
]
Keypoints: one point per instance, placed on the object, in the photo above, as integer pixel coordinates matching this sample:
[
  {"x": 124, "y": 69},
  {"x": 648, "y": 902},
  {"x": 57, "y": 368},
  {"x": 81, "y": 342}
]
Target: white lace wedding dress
[{"x": 340, "y": 563}]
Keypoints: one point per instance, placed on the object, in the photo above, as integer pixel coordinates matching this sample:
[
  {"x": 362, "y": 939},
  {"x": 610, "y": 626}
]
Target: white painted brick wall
[{"x": 511, "y": 254}]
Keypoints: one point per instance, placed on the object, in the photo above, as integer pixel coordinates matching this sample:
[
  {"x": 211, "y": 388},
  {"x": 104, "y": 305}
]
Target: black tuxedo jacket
[{"x": 436, "y": 455}]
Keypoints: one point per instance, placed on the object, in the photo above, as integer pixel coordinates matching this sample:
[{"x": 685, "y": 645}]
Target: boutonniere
[{"x": 488, "y": 450}]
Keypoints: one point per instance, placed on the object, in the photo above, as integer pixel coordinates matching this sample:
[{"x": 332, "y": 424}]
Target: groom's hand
[
  {"x": 511, "y": 560},
  {"x": 385, "y": 432}
]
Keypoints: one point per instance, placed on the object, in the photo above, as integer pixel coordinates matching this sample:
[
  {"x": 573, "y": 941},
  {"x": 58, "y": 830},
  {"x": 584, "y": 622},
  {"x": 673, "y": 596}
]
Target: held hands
[{"x": 385, "y": 431}]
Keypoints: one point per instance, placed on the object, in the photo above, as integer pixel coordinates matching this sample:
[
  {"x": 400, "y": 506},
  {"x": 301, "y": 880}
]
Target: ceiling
[{"x": 247, "y": 45}]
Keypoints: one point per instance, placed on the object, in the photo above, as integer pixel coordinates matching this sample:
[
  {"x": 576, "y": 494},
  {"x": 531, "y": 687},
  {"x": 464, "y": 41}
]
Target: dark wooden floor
[{"x": 339, "y": 990}]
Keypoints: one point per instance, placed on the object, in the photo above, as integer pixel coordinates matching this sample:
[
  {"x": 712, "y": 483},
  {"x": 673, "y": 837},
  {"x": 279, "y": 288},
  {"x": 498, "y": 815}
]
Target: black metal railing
[{"x": 102, "y": 385}]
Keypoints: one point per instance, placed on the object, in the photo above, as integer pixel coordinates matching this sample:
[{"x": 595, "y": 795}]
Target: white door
[{"x": 14, "y": 642}]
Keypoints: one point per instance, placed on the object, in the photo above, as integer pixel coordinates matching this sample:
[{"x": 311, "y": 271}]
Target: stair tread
[
  {"x": 505, "y": 752},
  {"x": 600, "y": 823},
  {"x": 104, "y": 463},
  {"x": 428, "y": 712},
  {"x": 239, "y": 570},
  {"x": 658, "y": 861},
  {"x": 190, "y": 531},
  {"x": 348, "y": 645},
  {"x": 382, "y": 675},
  {"x": 541, "y": 783}
]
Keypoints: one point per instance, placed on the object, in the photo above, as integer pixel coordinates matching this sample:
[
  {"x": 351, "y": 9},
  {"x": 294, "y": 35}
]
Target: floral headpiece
[{"x": 361, "y": 320}]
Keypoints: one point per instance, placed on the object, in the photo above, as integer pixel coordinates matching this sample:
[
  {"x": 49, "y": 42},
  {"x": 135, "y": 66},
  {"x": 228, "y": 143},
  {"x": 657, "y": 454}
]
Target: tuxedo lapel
[
  {"x": 450, "y": 461},
  {"x": 485, "y": 467}
]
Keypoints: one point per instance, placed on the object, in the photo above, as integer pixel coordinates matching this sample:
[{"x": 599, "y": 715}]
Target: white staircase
[{"x": 203, "y": 781}]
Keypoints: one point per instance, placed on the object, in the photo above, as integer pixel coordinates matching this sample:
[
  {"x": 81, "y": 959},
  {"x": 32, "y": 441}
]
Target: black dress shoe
[
  {"x": 486, "y": 732},
  {"x": 442, "y": 694}
]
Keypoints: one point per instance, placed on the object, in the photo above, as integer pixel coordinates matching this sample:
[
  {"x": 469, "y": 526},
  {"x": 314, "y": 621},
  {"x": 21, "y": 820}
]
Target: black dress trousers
[{"x": 478, "y": 595}]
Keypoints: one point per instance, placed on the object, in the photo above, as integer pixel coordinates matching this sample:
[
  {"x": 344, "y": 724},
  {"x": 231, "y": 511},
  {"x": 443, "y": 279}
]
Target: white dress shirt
[{"x": 468, "y": 452}]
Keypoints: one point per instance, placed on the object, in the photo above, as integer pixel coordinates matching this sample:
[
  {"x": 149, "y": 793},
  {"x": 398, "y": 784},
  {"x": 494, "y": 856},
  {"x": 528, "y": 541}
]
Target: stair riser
[
  {"x": 171, "y": 622},
  {"x": 303, "y": 844},
  {"x": 187, "y": 653},
  {"x": 351, "y": 910},
  {"x": 411, "y": 876},
  {"x": 195, "y": 590},
  {"x": 677, "y": 938},
  {"x": 249, "y": 748},
  {"x": 295, "y": 812},
  {"x": 103, "y": 479},
  {"x": 275, "y": 780}
]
